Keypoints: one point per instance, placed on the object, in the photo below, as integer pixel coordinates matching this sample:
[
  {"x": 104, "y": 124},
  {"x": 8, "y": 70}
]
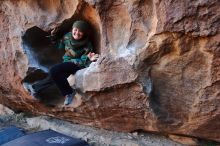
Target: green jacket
[{"x": 76, "y": 50}]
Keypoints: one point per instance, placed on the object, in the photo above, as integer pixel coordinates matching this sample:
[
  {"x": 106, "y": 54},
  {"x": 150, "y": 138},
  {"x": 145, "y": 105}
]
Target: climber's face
[{"x": 77, "y": 34}]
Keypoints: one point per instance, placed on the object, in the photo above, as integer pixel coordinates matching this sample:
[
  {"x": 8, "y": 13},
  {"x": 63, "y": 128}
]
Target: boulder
[{"x": 159, "y": 68}]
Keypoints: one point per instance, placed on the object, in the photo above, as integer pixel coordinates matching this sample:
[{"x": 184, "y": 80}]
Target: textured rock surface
[
  {"x": 159, "y": 70},
  {"x": 94, "y": 136}
]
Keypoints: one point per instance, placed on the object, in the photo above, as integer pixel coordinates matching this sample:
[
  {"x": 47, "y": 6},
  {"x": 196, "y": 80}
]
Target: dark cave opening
[{"x": 42, "y": 54}]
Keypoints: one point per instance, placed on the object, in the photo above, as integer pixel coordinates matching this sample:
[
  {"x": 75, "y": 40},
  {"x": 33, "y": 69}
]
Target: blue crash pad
[
  {"x": 10, "y": 133},
  {"x": 46, "y": 138}
]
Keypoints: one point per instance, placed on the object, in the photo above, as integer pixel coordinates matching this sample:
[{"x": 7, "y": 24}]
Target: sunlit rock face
[{"x": 159, "y": 68}]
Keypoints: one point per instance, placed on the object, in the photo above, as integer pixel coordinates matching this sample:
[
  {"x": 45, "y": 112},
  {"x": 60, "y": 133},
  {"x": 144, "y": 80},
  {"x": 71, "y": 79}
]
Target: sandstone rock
[
  {"x": 184, "y": 140},
  {"x": 5, "y": 111},
  {"x": 159, "y": 68},
  {"x": 105, "y": 74}
]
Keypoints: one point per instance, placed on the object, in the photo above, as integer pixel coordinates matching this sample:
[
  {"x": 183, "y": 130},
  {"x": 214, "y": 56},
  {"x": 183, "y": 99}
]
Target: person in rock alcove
[{"x": 78, "y": 54}]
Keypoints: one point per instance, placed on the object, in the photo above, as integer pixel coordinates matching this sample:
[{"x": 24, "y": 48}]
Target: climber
[{"x": 78, "y": 54}]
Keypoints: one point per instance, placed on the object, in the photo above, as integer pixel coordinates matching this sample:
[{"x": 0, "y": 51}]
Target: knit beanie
[{"x": 81, "y": 25}]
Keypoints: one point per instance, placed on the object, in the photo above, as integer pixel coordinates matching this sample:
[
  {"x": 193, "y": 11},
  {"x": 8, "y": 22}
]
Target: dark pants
[{"x": 58, "y": 75}]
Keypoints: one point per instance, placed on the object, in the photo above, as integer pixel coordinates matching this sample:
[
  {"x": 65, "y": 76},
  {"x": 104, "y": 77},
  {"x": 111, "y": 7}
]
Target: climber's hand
[
  {"x": 55, "y": 29},
  {"x": 93, "y": 56}
]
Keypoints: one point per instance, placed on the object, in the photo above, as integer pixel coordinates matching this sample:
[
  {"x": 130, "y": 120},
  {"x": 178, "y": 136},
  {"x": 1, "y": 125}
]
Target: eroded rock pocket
[
  {"x": 42, "y": 54},
  {"x": 41, "y": 49}
]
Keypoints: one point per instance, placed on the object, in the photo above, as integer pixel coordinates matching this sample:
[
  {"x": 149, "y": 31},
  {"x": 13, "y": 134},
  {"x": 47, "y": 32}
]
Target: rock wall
[{"x": 159, "y": 68}]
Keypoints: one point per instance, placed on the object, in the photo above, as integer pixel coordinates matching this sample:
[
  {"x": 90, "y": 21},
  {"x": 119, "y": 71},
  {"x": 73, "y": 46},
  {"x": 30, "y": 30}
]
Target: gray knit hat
[{"x": 81, "y": 25}]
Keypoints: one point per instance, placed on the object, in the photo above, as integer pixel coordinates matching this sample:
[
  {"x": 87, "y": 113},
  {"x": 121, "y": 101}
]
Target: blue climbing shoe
[{"x": 69, "y": 98}]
